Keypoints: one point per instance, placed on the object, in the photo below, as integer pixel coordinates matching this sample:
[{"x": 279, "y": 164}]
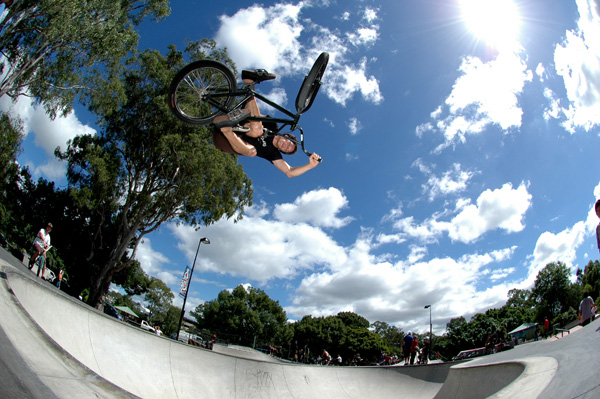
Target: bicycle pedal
[{"x": 240, "y": 129}]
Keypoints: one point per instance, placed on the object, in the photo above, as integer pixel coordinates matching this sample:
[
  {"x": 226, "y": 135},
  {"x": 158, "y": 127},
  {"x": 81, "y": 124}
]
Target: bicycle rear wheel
[
  {"x": 200, "y": 92},
  {"x": 311, "y": 84}
]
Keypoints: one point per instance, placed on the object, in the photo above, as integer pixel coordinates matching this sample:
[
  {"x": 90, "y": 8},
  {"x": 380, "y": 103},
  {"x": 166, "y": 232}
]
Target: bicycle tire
[
  {"x": 311, "y": 84},
  {"x": 189, "y": 91}
]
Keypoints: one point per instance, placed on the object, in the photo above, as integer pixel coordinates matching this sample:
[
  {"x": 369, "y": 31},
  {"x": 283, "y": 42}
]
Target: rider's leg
[
  {"x": 37, "y": 251},
  {"x": 256, "y": 127},
  {"x": 44, "y": 266},
  {"x": 41, "y": 265},
  {"x": 236, "y": 143}
]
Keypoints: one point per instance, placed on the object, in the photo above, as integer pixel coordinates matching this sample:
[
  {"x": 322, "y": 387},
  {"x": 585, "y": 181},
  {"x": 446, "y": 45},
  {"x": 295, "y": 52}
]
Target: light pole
[
  {"x": 202, "y": 240},
  {"x": 430, "y": 333}
]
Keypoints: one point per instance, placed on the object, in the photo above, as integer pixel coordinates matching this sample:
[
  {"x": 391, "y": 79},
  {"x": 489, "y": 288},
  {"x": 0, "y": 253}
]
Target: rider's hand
[{"x": 315, "y": 159}]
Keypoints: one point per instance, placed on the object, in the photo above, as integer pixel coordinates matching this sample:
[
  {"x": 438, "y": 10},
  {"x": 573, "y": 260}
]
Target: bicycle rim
[
  {"x": 311, "y": 84},
  {"x": 199, "y": 92}
]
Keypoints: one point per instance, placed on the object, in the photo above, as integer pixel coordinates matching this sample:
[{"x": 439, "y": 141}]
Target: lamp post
[
  {"x": 202, "y": 240},
  {"x": 430, "y": 333}
]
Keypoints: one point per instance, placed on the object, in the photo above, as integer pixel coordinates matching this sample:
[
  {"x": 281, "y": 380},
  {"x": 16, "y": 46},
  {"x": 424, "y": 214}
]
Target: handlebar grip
[{"x": 319, "y": 159}]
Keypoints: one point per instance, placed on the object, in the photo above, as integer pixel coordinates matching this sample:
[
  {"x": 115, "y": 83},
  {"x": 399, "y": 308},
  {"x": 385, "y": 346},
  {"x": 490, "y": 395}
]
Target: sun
[{"x": 495, "y": 22}]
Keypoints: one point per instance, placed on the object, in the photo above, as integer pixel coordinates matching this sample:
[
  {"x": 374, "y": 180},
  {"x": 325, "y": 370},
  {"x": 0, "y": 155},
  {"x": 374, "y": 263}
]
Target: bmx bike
[
  {"x": 205, "y": 89},
  {"x": 42, "y": 267}
]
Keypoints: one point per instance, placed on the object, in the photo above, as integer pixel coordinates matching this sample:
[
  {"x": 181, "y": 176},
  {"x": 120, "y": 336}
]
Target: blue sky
[{"x": 460, "y": 149}]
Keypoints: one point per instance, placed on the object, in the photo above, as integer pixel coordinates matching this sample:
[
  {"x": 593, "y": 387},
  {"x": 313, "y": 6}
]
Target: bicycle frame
[{"x": 247, "y": 93}]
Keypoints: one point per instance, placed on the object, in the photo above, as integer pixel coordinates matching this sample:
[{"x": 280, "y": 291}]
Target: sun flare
[{"x": 495, "y": 22}]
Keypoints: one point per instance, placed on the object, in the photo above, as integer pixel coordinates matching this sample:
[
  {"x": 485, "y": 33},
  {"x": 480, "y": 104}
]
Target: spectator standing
[
  {"x": 414, "y": 348},
  {"x": 211, "y": 343},
  {"x": 425, "y": 351},
  {"x": 585, "y": 309},
  {"x": 408, "y": 338},
  {"x": 60, "y": 277}
]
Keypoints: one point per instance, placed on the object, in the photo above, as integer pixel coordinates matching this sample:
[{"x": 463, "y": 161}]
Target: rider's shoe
[
  {"x": 240, "y": 129},
  {"x": 257, "y": 76},
  {"x": 231, "y": 119}
]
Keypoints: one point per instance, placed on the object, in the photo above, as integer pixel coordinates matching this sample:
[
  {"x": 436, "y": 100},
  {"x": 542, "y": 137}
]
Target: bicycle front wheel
[
  {"x": 311, "y": 84},
  {"x": 201, "y": 91}
]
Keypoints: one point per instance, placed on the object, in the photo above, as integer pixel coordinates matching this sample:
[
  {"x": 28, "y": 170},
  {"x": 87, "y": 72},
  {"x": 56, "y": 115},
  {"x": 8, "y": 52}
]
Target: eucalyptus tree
[
  {"x": 57, "y": 50},
  {"x": 551, "y": 291},
  {"x": 144, "y": 168},
  {"x": 245, "y": 315}
]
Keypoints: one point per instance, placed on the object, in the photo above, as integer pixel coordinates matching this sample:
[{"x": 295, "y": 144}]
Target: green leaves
[
  {"x": 144, "y": 168},
  {"x": 244, "y": 315},
  {"x": 57, "y": 51}
]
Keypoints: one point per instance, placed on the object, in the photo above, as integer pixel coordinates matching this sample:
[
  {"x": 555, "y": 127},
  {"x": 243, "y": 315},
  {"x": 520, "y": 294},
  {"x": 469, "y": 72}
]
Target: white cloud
[
  {"x": 541, "y": 73},
  {"x": 54, "y": 169},
  {"x": 343, "y": 82},
  {"x": 370, "y": 15},
  {"x": 577, "y": 60},
  {"x": 492, "y": 88},
  {"x": 260, "y": 248},
  {"x": 152, "y": 262},
  {"x": 553, "y": 111},
  {"x": 277, "y": 95},
  {"x": 354, "y": 125},
  {"x": 552, "y": 247},
  {"x": 450, "y": 182},
  {"x": 269, "y": 37},
  {"x": 317, "y": 207},
  {"x": 263, "y": 37},
  {"x": 484, "y": 94},
  {"x": 49, "y": 133},
  {"x": 397, "y": 292},
  {"x": 363, "y": 37},
  {"x": 502, "y": 208}
]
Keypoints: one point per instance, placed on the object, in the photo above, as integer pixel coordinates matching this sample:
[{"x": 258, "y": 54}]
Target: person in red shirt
[{"x": 413, "y": 350}]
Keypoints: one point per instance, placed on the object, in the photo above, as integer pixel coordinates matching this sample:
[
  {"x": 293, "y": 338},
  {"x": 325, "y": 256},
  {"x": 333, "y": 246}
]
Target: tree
[
  {"x": 458, "y": 337},
  {"x": 391, "y": 335},
  {"x": 11, "y": 136},
  {"x": 352, "y": 320},
  {"x": 144, "y": 169},
  {"x": 551, "y": 291},
  {"x": 159, "y": 298},
  {"x": 361, "y": 340},
  {"x": 245, "y": 315},
  {"x": 590, "y": 279},
  {"x": 134, "y": 280},
  {"x": 56, "y": 50}
]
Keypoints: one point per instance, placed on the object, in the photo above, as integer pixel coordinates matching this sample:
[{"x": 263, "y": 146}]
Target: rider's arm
[
  {"x": 293, "y": 171},
  {"x": 239, "y": 145}
]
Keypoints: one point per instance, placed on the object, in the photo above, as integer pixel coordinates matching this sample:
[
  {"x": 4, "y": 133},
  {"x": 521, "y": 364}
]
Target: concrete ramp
[{"x": 148, "y": 366}]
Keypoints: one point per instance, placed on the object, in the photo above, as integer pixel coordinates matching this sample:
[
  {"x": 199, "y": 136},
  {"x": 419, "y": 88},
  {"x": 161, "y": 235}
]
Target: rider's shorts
[{"x": 221, "y": 142}]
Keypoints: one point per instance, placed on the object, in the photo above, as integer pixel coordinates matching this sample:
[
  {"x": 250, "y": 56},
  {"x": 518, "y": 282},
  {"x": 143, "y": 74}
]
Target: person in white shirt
[
  {"x": 585, "y": 309},
  {"x": 41, "y": 244}
]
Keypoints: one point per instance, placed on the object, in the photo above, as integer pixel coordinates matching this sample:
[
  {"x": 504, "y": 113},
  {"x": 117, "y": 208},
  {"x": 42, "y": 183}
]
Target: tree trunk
[{"x": 101, "y": 283}]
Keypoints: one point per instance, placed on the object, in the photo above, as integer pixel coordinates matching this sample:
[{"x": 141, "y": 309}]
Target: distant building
[
  {"x": 128, "y": 314},
  {"x": 526, "y": 331}
]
